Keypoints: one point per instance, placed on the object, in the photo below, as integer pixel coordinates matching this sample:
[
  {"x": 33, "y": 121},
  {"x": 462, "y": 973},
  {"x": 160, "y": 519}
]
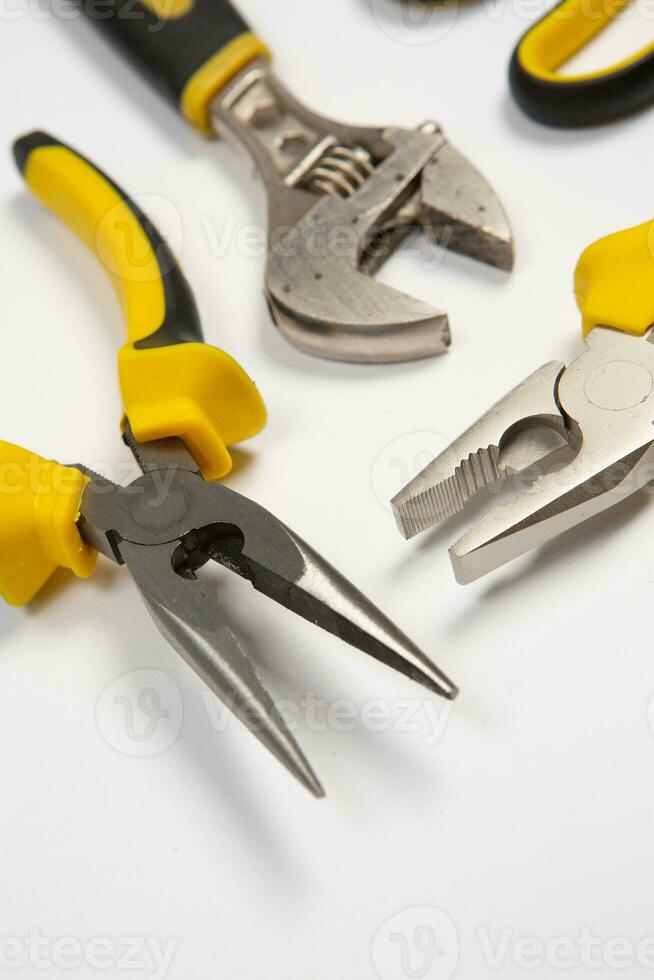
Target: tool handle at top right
[
  {"x": 614, "y": 281},
  {"x": 189, "y": 49},
  {"x": 582, "y": 99}
]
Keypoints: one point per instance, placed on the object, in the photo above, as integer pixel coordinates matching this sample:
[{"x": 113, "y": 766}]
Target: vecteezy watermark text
[
  {"x": 141, "y": 714},
  {"x": 150, "y": 956},
  {"x": 424, "y": 943}
]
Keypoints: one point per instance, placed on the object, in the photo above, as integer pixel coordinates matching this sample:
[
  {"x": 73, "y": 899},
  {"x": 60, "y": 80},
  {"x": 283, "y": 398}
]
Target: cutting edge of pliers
[
  {"x": 550, "y": 96},
  {"x": 185, "y": 402},
  {"x": 579, "y": 437}
]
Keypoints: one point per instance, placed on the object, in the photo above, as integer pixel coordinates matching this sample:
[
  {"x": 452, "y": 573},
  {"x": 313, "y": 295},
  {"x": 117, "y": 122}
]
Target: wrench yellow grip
[
  {"x": 172, "y": 383},
  {"x": 39, "y": 509},
  {"x": 613, "y": 281},
  {"x": 189, "y": 49}
]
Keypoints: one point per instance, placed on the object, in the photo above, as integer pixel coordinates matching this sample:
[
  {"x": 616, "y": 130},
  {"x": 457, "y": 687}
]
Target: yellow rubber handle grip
[
  {"x": 564, "y": 32},
  {"x": 614, "y": 279},
  {"x": 39, "y": 509},
  {"x": 591, "y": 98},
  {"x": 172, "y": 383}
]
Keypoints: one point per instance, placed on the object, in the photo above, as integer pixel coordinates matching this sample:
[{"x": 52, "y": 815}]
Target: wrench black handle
[{"x": 189, "y": 49}]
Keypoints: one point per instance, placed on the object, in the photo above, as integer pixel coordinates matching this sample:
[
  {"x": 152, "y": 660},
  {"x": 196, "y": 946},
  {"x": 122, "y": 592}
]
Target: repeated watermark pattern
[
  {"x": 399, "y": 460},
  {"x": 416, "y": 944},
  {"x": 424, "y": 943},
  {"x": 409, "y": 22},
  {"x": 407, "y": 454},
  {"x": 141, "y": 714},
  {"x": 148, "y": 956},
  {"x": 422, "y": 22}
]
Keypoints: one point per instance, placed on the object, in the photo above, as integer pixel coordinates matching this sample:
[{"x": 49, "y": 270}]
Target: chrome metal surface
[
  {"x": 169, "y": 522},
  {"x": 600, "y": 409},
  {"x": 340, "y": 199}
]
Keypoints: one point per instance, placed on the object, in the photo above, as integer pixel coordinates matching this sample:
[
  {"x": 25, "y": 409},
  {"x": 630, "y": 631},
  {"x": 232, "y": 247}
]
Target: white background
[{"x": 532, "y": 815}]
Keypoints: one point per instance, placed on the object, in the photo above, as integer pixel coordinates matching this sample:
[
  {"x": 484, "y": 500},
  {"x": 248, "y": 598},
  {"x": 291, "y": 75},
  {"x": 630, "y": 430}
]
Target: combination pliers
[
  {"x": 585, "y": 432},
  {"x": 340, "y": 198},
  {"x": 184, "y": 403}
]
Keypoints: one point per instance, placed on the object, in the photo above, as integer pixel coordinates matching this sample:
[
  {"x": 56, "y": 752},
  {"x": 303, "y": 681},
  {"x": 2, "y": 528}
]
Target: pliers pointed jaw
[
  {"x": 282, "y": 566},
  {"x": 325, "y": 597},
  {"x": 187, "y": 614}
]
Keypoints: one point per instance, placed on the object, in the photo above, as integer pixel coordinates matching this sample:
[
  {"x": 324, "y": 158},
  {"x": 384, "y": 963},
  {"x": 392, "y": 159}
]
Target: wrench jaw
[
  {"x": 460, "y": 210},
  {"x": 524, "y": 429},
  {"x": 349, "y": 317},
  {"x": 317, "y": 277},
  {"x": 341, "y": 199}
]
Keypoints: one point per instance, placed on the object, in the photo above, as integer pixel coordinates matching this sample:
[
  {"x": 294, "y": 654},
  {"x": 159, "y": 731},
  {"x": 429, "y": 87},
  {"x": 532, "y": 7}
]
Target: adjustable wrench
[{"x": 340, "y": 198}]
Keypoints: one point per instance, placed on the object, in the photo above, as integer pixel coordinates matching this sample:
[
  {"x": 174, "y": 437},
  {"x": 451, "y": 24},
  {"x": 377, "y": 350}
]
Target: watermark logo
[
  {"x": 140, "y": 713},
  {"x": 416, "y": 944},
  {"x": 586, "y": 950},
  {"x": 129, "y": 253},
  {"x": 401, "y": 459},
  {"x": 148, "y": 955},
  {"x": 414, "y": 23}
]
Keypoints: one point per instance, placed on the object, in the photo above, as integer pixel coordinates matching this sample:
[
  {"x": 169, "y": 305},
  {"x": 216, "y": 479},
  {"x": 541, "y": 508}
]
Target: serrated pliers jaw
[{"x": 596, "y": 416}]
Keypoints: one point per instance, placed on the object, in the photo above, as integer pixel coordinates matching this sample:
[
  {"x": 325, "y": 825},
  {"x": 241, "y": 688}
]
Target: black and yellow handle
[
  {"x": 587, "y": 99},
  {"x": 172, "y": 383},
  {"x": 189, "y": 49}
]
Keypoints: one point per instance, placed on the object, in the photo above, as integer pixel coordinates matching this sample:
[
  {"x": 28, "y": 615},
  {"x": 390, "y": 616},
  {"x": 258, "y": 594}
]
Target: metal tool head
[
  {"x": 169, "y": 523},
  {"x": 318, "y": 276},
  {"x": 599, "y": 411},
  {"x": 341, "y": 199}
]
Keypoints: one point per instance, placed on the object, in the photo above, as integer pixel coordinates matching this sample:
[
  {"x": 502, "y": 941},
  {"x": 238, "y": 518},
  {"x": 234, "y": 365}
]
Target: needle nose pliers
[{"x": 184, "y": 403}]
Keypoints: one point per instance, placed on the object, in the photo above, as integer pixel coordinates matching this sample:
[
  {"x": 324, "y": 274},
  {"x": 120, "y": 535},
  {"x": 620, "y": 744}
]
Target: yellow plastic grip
[
  {"x": 614, "y": 281},
  {"x": 564, "y": 32},
  {"x": 172, "y": 383},
  {"x": 39, "y": 509},
  {"x": 211, "y": 77}
]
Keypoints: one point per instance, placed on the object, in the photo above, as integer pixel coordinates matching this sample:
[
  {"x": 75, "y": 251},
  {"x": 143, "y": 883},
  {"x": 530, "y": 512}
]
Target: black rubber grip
[
  {"x": 587, "y": 102},
  {"x": 168, "y": 50},
  {"x": 181, "y": 323}
]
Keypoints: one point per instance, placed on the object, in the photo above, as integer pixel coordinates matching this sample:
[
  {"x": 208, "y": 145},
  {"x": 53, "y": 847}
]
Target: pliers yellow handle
[
  {"x": 579, "y": 99},
  {"x": 613, "y": 279},
  {"x": 172, "y": 384}
]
